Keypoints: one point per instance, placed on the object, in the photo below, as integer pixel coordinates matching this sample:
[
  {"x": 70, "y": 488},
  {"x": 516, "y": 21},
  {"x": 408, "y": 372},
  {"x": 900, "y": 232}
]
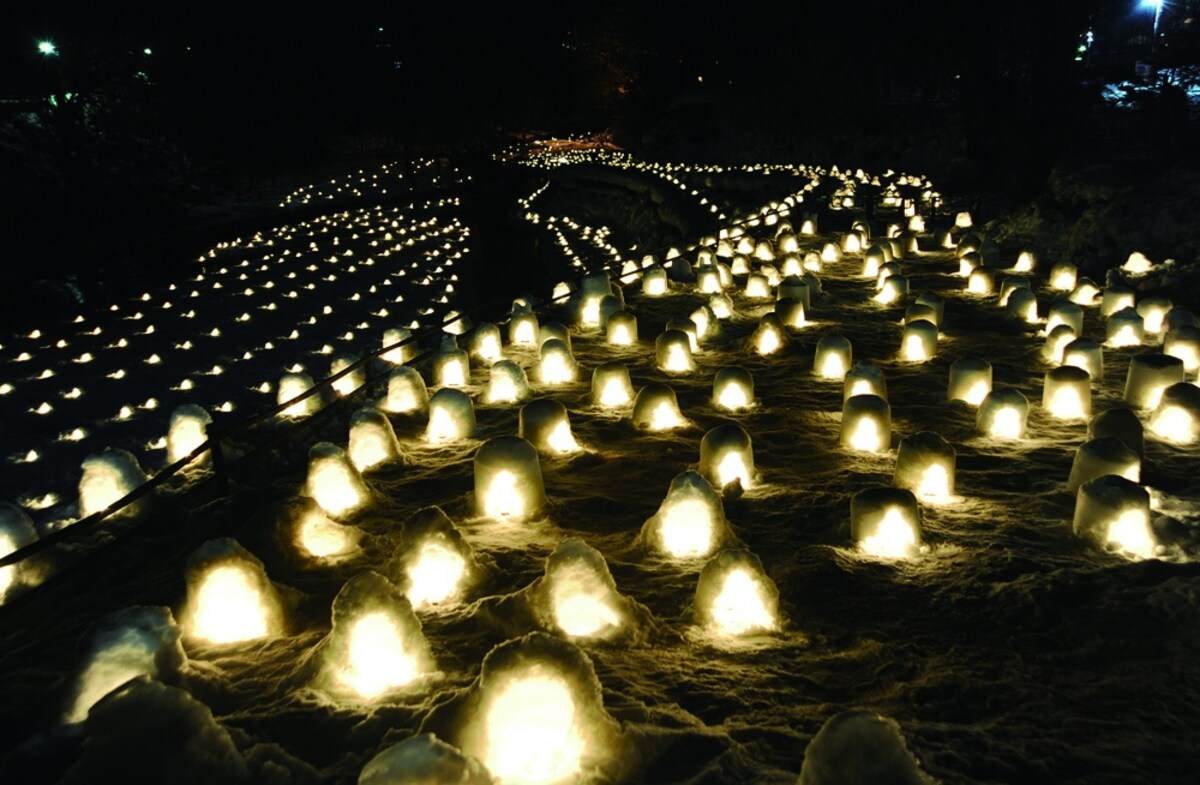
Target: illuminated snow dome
[
  {"x": 733, "y": 389},
  {"x": 403, "y": 347},
  {"x": 657, "y": 409},
  {"x": 721, "y": 306},
  {"x": 229, "y": 598},
  {"x": 1154, "y": 312},
  {"x": 769, "y": 337},
  {"x": 860, "y": 747},
  {"x": 352, "y": 380},
  {"x": 578, "y": 598},
  {"x": 1065, "y": 312},
  {"x": 188, "y": 430},
  {"x": 758, "y": 287},
  {"x": 406, "y": 391},
  {"x": 1137, "y": 263},
  {"x": 1184, "y": 343},
  {"x": 486, "y": 344},
  {"x": 925, "y": 466},
  {"x": 893, "y": 289},
  {"x": 508, "y": 480},
  {"x": 1114, "y": 513},
  {"x": 507, "y": 383},
  {"x": 1117, "y": 297},
  {"x": 1124, "y": 328},
  {"x": 1062, "y": 276},
  {"x": 451, "y": 416},
  {"x": 1122, "y": 424},
  {"x": 1056, "y": 343},
  {"x": 703, "y": 319},
  {"x": 1149, "y": 375},
  {"x": 794, "y": 288},
  {"x": 1177, "y": 418},
  {"x": 727, "y": 458},
  {"x": 556, "y": 364},
  {"x": 936, "y": 302},
  {"x": 1105, "y": 455},
  {"x": 886, "y": 522},
  {"x": 435, "y": 564},
  {"x": 523, "y": 329},
  {"x": 372, "y": 440},
  {"x": 450, "y": 366},
  {"x": 735, "y": 597},
  {"x": 981, "y": 281},
  {"x": 1067, "y": 393},
  {"x": 690, "y": 522},
  {"x": 622, "y": 329},
  {"x": 918, "y": 342},
  {"x": 791, "y": 313},
  {"x": 708, "y": 280},
  {"x": 875, "y": 258},
  {"x": 832, "y": 357},
  {"x": 654, "y": 282},
  {"x": 536, "y": 715},
  {"x": 545, "y": 424},
  {"x": 970, "y": 380},
  {"x": 866, "y": 424},
  {"x": 334, "y": 481},
  {"x": 293, "y": 385},
  {"x": 1022, "y": 306},
  {"x": 107, "y": 478},
  {"x": 1085, "y": 292},
  {"x": 1027, "y": 262},
  {"x": 1011, "y": 285},
  {"x": 123, "y": 645},
  {"x": 1003, "y": 414},
  {"x": 611, "y": 386},
  {"x": 16, "y": 531},
  {"x": 1086, "y": 354},
  {"x": 423, "y": 760},
  {"x": 304, "y": 528},
  {"x": 673, "y": 352},
  {"x": 864, "y": 379}
]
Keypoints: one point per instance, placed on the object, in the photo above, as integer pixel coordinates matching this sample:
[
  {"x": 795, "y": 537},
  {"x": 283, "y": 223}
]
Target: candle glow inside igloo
[
  {"x": 768, "y": 337},
  {"x": 1105, "y": 455},
  {"x": 435, "y": 563},
  {"x": 1067, "y": 393},
  {"x": 886, "y": 522},
  {"x": 451, "y": 366},
  {"x": 451, "y": 416},
  {"x": 546, "y": 425},
  {"x": 406, "y": 391},
  {"x": 735, "y": 597},
  {"x": 1184, "y": 342},
  {"x": 1086, "y": 354},
  {"x": 107, "y": 478},
  {"x": 1114, "y": 513},
  {"x": 1148, "y": 376},
  {"x": 864, "y": 379},
  {"x": 832, "y": 357},
  {"x": 690, "y": 522},
  {"x": 333, "y": 481},
  {"x": 727, "y": 457},
  {"x": 622, "y": 329},
  {"x": 186, "y": 432},
  {"x": 733, "y": 389},
  {"x": 866, "y": 423},
  {"x": 580, "y": 595},
  {"x": 970, "y": 380},
  {"x": 372, "y": 440},
  {"x": 925, "y": 466},
  {"x": 229, "y": 598},
  {"x": 292, "y": 385},
  {"x": 557, "y": 363},
  {"x": 673, "y": 352},
  {"x": 611, "y": 386},
  {"x": 523, "y": 329},
  {"x": 486, "y": 343},
  {"x": 352, "y": 380},
  {"x": 1124, "y": 328},
  {"x": 657, "y": 409},
  {"x": 508, "y": 480},
  {"x": 918, "y": 342},
  {"x": 16, "y": 531},
  {"x": 507, "y": 383},
  {"x": 318, "y": 536},
  {"x": 1177, "y": 417},
  {"x": 400, "y": 354},
  {"x": 1003, "y": 414}
]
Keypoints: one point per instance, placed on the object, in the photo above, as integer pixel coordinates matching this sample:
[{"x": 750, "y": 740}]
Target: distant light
[
  {"x": 1155, "y": 4},
  {"x": 47, "y": 48},
  {"x": 147, "y": 51}
]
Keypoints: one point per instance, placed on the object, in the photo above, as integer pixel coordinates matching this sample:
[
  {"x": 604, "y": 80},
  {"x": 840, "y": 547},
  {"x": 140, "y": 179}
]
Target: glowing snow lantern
[
  {"x": 857, "y": 747},
  {"x": 832, "y": 357},
  {"x": 557, "y": 364},
  {"x": 423, "y": 759},
  {"x": 721, "y": 306},
  {"x": 539, "y": 717},
  {"x": 1066, "y": 313},
  {"x": 400, "y": 354},
  {"x": 866, "y": 423},
  {"x": 673, "y": 352},
  {"x": 763, "y": 251},
  {"x": 611, "y": 386},
  {"x": 1062, "y": 276},
  {"x": 1067, "y": 393},
  {"x": 708, "y": 281},
  {"x": 795, "y": 289},
  {"x": 757, "y": 287},
  {"x": 970, "y": 380},
  {"x": 1098, "y": 457},
  {"x": 1117, "y": 298},
  {"x": 1137, "y": 263},
  {"x": 894, "y": 288},
  {"x": 1119, "y": 423},
  {"x": 406, "y": 391},
  {"x": 107, "y": 478},
  {"x": 372, "y": 439},
  {"x": 772, "y": 274},
  {"x": 657, "y": 409},
  {"x": 886, "y": 522},
  {"x": 1184, "y": 343},
  {"x": 734, "y": 595},
  {"x": 864, "y": 379},
  {"x": 830, "y": 253},
  {"x": 186, "y": 432},
  {"x": 451, "y": 416},
  {"x": 1056, "y": 343},
  {"x": 1003, "y": 413},
  {"x": 523, "y": 329},
  {"x": 376, "y": 644},
  {"x": 852, "y": 243},
  {"x": 740, "y": 265},
  {"x": 1149, "y": 375},
  {"x": 622, "y": 329},
  {"x": 435, "y": 564},
  {"x": 1154, "y": 312},
  {"x": 686, "y": 326},
  {"x": 508, "y": 480},
  {"x": 727, "y": 457},
  {"x": 16, "y": 531},
  {"x": 918, "y": 342},
  {"x": 451, "y": 366},
  {"x": 690, "y": 522},
  {"x": 1085, "y": 292},
  {"x": 1012, "y": 284},
  {"x": 790, "y": 312},
  {"x": 485, "y": 343},
  {"x": 293, "y": 385},
  {"x": 981, "y": 281},
  {"x": 578, "y": 594},
  {"x": 1022, "y": 305},
  {"x": 808, "y": 227},
  {"x": 1114, "y": 513},
  {"x": 316, "y": 535},
  {"x": 791, "y": 265},
  {"x": 1178, "y": 317},
  {"x": 1086, "y": 354},
  {"x": 654, "y": 282},
  {"x": 769, "y": 336},
  {"x": 334, "y": 481},
  {"x": 925, "y": 466},
  {"x": 229, "y": 598},
  {"x": 544, "y": 423},
  {"x": 887, "y": 271},
  {"x": 1177, "y": 417},
  {"x": 934, "y": 301},
  {"x": 352, "y": 380},
  {"x": 873, "y": 259},
  {"x": 507, "y": 383},
  {"x": 733, "y": 389},
  {"x": 1026, "y": 262}
]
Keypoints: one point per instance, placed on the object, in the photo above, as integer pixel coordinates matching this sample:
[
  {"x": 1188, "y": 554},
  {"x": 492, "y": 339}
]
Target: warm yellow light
[
  {"x": 731, "y": 468},
  {"x": 525, "y": 332},
  {"x": 687, "y": 529},
  {"x": 866, "y": 436},
  {"x": 502, "y": 389},
  {"x": 934, "y": 484},
  {"x": 1063, "y": 280},
  {"x": 665, "y": 417},
  {"x": 741, "y": 606},
  {"x": 614, "y": 394},
  {"x": 533, "y": 731},
  {"x": 228, "y": 607},
  {"x": 620, "y": 335},
  {"x": 8, "y": 575},
  {"x": 1175, "y": 424},
  {"x": 331, "y": 483},
  {"x": 589, "y": 314},
  {"x": 1006, "y": 424},
  {"x": 369, "y": 448},
  {"x": 489, "y": 348},
  {"x": 894, "y": 538},
  {"x": 677, "y": 359},
  {"x": 1067, "y": 404},
  {"x": 768, "y": 341},
  {"x": 861, "y": 387},
  {"x": 653, "y": 287},
  {"x": 442, "y": 427},
  {"x": 733, "y": 396},
  {"x": 376, "y": 660},
  {"x": 1125, "y": 336},
  {"x": 582, "y": 603},
  {"x": 886, "y": 295},
  {"x": 503, "y": 497},
  {"x": 1131, "y": 533},
  {"x": 913, "y": 349},
  {"x": 556, "y": 370},
  {"x": 453, "y": 373},
  {"x": 321, "y": 537},
  {"x": 435, "y": 575},
  {"x": 977, "y": 392},
  {"x": 834, "y": 367},
  {"x": 561, "y": 440}
]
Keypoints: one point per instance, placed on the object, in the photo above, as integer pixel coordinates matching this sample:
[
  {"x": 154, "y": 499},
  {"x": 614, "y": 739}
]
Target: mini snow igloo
[
  {"x": 690, "y": 522},
  {"x": 1178, "y": 317},
  {"x": 187, "y": 431},
  {"x": 536, "y": 715},
  {"x": 375, "y": 645},
  {"x": 702, "y": 319},
  {"x": 293, "y": 385},
  {"x": 1177, "y": 417},
  {"x": 708, "y": 280},
  {"x": 886, "y": 271},
  {"x": 406, "y": 391},
  {"x": 1064, "y": 312},
  {"x": 1027, "y": 262},
  {"x": 757, "y": 287},
  {"x": 508, "y": 480},
  {"x": 507, "y": 383},
  {"x": 333, "y": 481},
  {"x": 721, "y": 306},
  {"x": 1098, "y": 457},
  {"x": 1067, "y": 393},
  {"x": 308, "y": 529},
  {"x": 1086, "y": 354},
  {"x": 123, "y": 645},
  {"x": 886, "y": 522},
  {"x": 769, "y": 337},
  {"x": 893, "y": 289},
  {"x": 423, "y": 760},
  {"x": 1154, "y": 312},
  {"x": 622, "y": 329},
  {"x": 970, "y": 380},
  {"x": 544, "y": 423},
  {"x": 1085, "y": 292},
  {"x": 16, "y": 531},
  {"x": 1056, "y": 343},
  {"x": 1062, "y": 276},
  {"x": 925, "y": 466},
  {"x": 832, "y": 357},
  {"x": 794, "y": 288},
  {"x": 107, "y": 478},
  {"x": 404, "y": 349},
  {"x": 353, "y": 379},
  {"x": 918, "y": 342},
  {"x": 981, "y": 281},
  {"x": 860, "y": 747},
  {"x": 790, "y": 312},
  {"x": 610, "y": 306},
  {"x": 451, "y": 416},
  {"x": 866, "y": 423},
  {"x": 852, "y": 243},
  {"x": 1116, "y": 298},
  {"x": 733, "y": 389},
  {"x": 1184, "y": 343},
  {"x": 1003, "y": 414},
  {"x": 654, "y": 282},
  {"x": 611, "y": 386},
  {"x": 673, "y": 352},
  {"x": 578, "y": 597},
  {"x": 1122, "y": 424},
  {"x": 864, "y": 379},
  {"x": 739, "y": 265},
  {"x": 1124, "y": 328},
  {"x": 727, "y": 457},
  {"x": 936, "y": 302},
  {"x": 1011, "y": 285},
  {"x": 830, "y": 253},
  {"x": 523, "y": 329},
  {"x": 1022, "y": 305},
  {"x": 873, "y": 259},
  {"x": 229, "y": 598},
  {"x": 486, "y": 344},
  {"x": 1148, "y": 376},
  {"x": 1137, "y": 263},
  {"x": 735, "y": 596},
  {"x": 914, "y": 312},
  {"x": 451, "y": 366},
  {"x": 435, "y": 564},
  {"x": 372, "y": 439},
  {"x": 657, "y": 409},
  {"x": 1114, "y": 513},
  {"x": 557, "y": 363}
]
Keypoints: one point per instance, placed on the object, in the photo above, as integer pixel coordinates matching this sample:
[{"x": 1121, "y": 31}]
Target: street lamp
[
  {"x": 47, "y": 48},
  {"x": 1157, "y": 5}
]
